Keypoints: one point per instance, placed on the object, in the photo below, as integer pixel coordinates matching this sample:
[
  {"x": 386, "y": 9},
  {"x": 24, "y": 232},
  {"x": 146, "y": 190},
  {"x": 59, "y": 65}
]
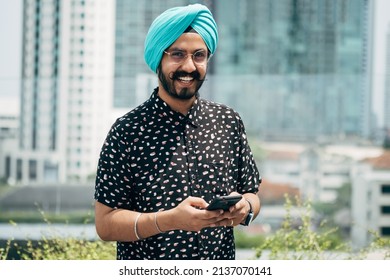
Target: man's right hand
[{"x": 190, "y": 215}]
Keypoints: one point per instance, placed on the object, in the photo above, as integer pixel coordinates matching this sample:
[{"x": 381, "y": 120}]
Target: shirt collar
[{"x": 164, "y": 110}]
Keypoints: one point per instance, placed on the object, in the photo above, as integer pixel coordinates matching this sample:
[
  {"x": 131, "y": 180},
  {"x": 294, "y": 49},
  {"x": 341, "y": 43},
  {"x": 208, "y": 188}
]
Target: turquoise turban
[{"x": 171, "y": 24}]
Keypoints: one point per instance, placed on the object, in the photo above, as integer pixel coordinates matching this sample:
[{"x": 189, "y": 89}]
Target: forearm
[{"x": 125, "y": 225}]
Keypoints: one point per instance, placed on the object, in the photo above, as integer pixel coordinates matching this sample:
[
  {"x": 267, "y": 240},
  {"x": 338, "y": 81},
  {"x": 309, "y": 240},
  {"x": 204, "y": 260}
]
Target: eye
[
  {"x": 178, "y": 54},
  {"x": 200, "y": 55}
]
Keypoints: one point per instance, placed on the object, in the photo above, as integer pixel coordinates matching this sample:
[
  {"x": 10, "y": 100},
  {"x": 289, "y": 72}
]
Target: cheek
[
  {"x": 202, "y": 70},
  {"x": 167, "y": 68}
]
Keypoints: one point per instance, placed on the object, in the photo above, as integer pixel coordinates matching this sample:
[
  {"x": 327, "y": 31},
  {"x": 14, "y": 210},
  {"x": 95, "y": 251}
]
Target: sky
[{"x": 10, "y": 50}]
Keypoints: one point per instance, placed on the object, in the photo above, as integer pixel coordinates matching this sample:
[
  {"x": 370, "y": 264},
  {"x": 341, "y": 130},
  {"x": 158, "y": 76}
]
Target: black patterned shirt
[{"x": 153, "y": 158}]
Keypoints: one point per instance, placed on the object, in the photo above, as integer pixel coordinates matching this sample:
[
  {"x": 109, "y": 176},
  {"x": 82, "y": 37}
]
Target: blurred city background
[{"x": 310, "y": 78}]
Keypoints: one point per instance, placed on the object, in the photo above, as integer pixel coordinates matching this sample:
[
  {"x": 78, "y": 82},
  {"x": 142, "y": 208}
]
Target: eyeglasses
[{"x": 198, "y": 57}]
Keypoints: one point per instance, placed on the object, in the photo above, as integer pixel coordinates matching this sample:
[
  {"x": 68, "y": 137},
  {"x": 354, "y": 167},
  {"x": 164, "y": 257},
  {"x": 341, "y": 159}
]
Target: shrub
[
  {"x": 68, "y": 249},
  {"x": 247, "y": 241},
  {"x": 302, "y": 242},
  {"x": 58, "y": 248}
]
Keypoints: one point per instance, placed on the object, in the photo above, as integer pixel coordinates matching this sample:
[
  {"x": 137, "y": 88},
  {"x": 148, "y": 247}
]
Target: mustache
[{"x": 195, "y": 74}]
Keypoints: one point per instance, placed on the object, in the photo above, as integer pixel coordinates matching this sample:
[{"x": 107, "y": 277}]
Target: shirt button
[{"x": 193, "y": 177}]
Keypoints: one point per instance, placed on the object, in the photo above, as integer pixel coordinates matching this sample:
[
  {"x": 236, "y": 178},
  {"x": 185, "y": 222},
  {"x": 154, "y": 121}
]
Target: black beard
[{"x": 185, "y": 93}]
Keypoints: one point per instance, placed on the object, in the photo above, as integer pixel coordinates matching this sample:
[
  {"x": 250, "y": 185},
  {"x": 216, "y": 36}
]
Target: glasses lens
[
  {"x": 178, "y": 56},
  {"x": 199, "y": 56}
]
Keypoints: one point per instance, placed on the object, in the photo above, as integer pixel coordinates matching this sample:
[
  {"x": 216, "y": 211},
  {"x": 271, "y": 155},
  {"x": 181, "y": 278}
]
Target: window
[
  {"x": 385, "y": 209},
  {"x": 19, "y": 172},
  {"x": 7, "y": 167},
  {"x": 385, "y": 231},
  {"x": 385, "y": 189},
  {"x": 32, "y": 169}
]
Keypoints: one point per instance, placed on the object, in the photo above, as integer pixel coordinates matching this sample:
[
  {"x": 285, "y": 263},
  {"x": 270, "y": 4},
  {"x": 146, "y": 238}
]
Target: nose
[{"x": 188, "y": 64}]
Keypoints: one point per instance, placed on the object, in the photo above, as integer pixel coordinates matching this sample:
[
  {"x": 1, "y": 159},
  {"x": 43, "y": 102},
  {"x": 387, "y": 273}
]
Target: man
[{"x": 165, "y": 161}]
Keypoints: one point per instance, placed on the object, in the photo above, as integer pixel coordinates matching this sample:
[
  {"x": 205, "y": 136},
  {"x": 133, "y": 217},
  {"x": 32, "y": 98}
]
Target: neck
[{"x": 179, "y": 105}]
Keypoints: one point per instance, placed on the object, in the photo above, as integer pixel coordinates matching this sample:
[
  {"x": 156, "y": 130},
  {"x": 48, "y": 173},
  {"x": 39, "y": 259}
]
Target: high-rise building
[
  {"x": 370, "y": 199},
  {"x": 66, "y": 89},
  {"x": 387, "y": 85},
  {"x": 300, "y": 63}
]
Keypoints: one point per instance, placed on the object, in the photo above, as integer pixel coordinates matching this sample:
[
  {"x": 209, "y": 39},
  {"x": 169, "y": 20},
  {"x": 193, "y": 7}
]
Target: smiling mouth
[{"x": 185, "y": 79}]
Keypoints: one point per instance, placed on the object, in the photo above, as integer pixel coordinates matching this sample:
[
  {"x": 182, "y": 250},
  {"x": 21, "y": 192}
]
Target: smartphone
[{"x": 224, "y": 202}]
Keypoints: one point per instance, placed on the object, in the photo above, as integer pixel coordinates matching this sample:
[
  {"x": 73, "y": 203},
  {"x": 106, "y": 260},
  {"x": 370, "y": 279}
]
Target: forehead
[{"x": 189, "y": 41}]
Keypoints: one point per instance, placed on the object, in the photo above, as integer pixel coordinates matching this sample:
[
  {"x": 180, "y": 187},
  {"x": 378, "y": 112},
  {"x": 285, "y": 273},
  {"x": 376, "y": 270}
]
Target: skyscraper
[
  {"x": 66, "y": 89},
  {"x": 300, "y": 62},
  {"x": 387, "y": 85}
]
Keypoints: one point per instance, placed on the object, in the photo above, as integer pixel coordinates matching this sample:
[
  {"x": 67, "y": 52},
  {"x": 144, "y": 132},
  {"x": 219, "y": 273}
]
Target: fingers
[
  {"x": 194, "y": 217},
  {"x": 238, "y": 206},
  {"x": 196, "y": 202}
]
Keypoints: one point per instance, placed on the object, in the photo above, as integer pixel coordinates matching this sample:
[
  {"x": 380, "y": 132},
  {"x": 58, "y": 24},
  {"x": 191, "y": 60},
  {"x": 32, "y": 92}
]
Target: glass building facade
[
  {"x": 66, "y": 89},
  {"x": 294, "y": 69}
]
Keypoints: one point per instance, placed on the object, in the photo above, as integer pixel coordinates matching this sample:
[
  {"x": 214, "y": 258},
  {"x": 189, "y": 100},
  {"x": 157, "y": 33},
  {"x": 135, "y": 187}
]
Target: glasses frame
[{"x": 186, "y": 57}]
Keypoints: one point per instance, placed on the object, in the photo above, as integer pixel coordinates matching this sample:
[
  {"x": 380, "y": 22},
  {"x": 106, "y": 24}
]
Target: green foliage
[
  {"x": 68, "y": 249},
  {"x": 302, "y": 242},
  {"x": 247, "y": 241},
  {"x": 378, "y": 244},
  {"x": 59, "y": 248},
  {"x": 4, "y": 251}
]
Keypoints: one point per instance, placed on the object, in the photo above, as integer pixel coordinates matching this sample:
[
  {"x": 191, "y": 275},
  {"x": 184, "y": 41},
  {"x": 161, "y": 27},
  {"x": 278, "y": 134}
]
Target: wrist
[
  {"x": 164, "y": 220},
  {"x": 249, "y": 216},
  {"x": 156, "y": 224}
]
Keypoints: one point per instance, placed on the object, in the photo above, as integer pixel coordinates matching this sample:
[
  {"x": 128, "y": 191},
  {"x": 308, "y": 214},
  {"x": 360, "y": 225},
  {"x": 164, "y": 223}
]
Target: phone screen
[{"x": 224, "y": 202}]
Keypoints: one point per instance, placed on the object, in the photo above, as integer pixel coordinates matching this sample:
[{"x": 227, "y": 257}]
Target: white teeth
[{"x": 187, "y": 79}]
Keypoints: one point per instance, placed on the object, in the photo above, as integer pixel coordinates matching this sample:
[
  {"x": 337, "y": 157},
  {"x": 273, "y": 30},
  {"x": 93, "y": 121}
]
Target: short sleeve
[
  {"x": 113, "y": 180},
  {"x": 249, "y": 177}
]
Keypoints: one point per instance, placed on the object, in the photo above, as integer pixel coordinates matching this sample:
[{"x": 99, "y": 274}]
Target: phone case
[{"x": 224, "y": 202}]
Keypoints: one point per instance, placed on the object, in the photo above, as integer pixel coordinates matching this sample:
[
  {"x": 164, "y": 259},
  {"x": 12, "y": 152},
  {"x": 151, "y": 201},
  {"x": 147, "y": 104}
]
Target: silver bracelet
[
  {"x": 155, "y": 222},
  {"x": 135, "y": 226}
]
